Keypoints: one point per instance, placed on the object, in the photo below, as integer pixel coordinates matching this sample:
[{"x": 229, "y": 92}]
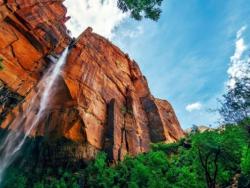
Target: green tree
[
  {"x": 212, "y": 159},
  {"x": 144, "y": 170},
  {"x": 141, "y": 8},
  {"x": 235, "y": 103},
  {"x": 244, "y": 180},
  {"x": 98, "y": 174},
  {"x": 14, "y": 179},
  {"x": 219, "y": 154}
]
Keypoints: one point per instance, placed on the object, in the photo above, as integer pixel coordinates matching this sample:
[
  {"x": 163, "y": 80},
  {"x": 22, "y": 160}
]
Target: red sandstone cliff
[
  {"x": 102, "y": 101},
  {"x": 29, "y": 30}
]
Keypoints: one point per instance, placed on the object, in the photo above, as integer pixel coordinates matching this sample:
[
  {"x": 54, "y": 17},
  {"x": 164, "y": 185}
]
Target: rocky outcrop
[
  {"x": 114, "y": 101},
  {"x": 29, "y": 31},
  {"x": 199, "y": 128},
  {"x": 101, "y": 100}
]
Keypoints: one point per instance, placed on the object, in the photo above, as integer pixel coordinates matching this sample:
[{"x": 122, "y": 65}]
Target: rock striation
[
  {"x": 29, "y": 31},
  {"x": 118, "y": 112},
  {"x": 102, "y": 101}
]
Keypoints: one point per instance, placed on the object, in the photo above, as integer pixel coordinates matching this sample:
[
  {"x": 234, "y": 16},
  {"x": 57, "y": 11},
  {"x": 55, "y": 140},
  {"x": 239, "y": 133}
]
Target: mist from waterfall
[{"x": 24, "y": 125}]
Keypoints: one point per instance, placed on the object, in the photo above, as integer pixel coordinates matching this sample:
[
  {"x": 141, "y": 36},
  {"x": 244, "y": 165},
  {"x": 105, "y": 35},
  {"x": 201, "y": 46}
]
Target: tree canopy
[
  {"x": 235, "y": 103},
  {"x": 141, "y": 8},
  {"x": 215, "y": 158}
]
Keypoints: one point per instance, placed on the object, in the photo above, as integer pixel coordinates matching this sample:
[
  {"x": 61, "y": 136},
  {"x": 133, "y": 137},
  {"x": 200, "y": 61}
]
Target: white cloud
[
  {"x": 238, "y": 62},
  {"x": 240, "y": 31},
  {"x": 133, "y": 33},
  {"x": 193, "y": 106},
  {"x": 240, "y": 48},
  {"x": 102, "y": 16}
]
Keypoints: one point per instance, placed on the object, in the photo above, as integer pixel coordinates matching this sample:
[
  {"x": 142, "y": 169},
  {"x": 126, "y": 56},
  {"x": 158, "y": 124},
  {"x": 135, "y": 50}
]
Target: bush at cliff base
[{"x": 219, "y": 157}]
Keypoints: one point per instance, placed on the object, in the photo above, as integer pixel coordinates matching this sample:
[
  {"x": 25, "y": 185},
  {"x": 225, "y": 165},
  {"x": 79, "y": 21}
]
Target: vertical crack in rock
[
  {"x": 155, "y": 123},
  {"x": 109, "y": 130}
]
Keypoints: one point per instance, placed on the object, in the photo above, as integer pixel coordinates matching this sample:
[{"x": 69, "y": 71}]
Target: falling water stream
[{"x": 15, "y": 139}]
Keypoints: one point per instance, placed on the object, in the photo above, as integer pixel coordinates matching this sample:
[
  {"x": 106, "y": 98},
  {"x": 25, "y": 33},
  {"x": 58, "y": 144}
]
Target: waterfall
[{"x": 15, "y": 139}]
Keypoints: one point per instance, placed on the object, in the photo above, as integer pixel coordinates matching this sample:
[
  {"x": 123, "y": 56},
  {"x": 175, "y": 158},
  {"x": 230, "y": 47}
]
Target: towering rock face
[
  {"x": 29, "y": 30},
  {"x": 102, "y": 100},
  {"x": 114, "y": 102}
]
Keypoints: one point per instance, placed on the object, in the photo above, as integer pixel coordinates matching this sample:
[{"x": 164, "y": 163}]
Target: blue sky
[{"x": 185, "y": 55}]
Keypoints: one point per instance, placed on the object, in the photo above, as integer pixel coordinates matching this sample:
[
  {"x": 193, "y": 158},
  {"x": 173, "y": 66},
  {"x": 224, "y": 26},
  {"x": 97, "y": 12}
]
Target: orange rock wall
[
  {"x": 102, "y": 100},
  {"x": 29, "y": 30},
  {"x": 113, "y": 99}
]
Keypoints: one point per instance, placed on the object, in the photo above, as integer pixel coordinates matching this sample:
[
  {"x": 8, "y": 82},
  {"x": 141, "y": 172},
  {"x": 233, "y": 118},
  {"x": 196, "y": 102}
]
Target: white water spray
[{"x": 15, "y": 139}]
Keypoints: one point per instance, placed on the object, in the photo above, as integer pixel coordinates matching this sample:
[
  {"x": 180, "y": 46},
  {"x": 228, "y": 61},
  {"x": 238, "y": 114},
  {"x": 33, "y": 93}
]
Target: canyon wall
[
  {"x": 29, "y": 31},
  {"x": 102, "y": 101}
]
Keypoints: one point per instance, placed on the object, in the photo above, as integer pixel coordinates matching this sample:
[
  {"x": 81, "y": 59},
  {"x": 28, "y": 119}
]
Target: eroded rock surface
[
  {"x": 101, "y": 100},
  {"x": 114, "y": 101},
  {"x": 29, "y": 30}
]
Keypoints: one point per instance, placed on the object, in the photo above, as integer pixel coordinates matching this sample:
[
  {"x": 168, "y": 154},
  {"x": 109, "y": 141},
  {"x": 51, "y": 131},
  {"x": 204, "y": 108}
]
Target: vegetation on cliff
[{"x": 1, "y": 64}]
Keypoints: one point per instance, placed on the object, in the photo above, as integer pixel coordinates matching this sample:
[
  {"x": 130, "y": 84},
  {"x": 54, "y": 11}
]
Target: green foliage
[
  {"x": 141, "y": 8},
  {"x": 98, "y": 173},
  {"x": 235, "y": 103},
  {"x": 245, "y": 161},
  {"x": 15, "y": 179},
  {"x": 123, "y": 110},
  {"x": 47, "y": 178},
  {"x": 212, "y": 160},
  {"x": 1, "y": 64},
  {"x": 145, "y": 170},
  {"x": 171, "y": 148},
  {"x": 219, "y": 153}
]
